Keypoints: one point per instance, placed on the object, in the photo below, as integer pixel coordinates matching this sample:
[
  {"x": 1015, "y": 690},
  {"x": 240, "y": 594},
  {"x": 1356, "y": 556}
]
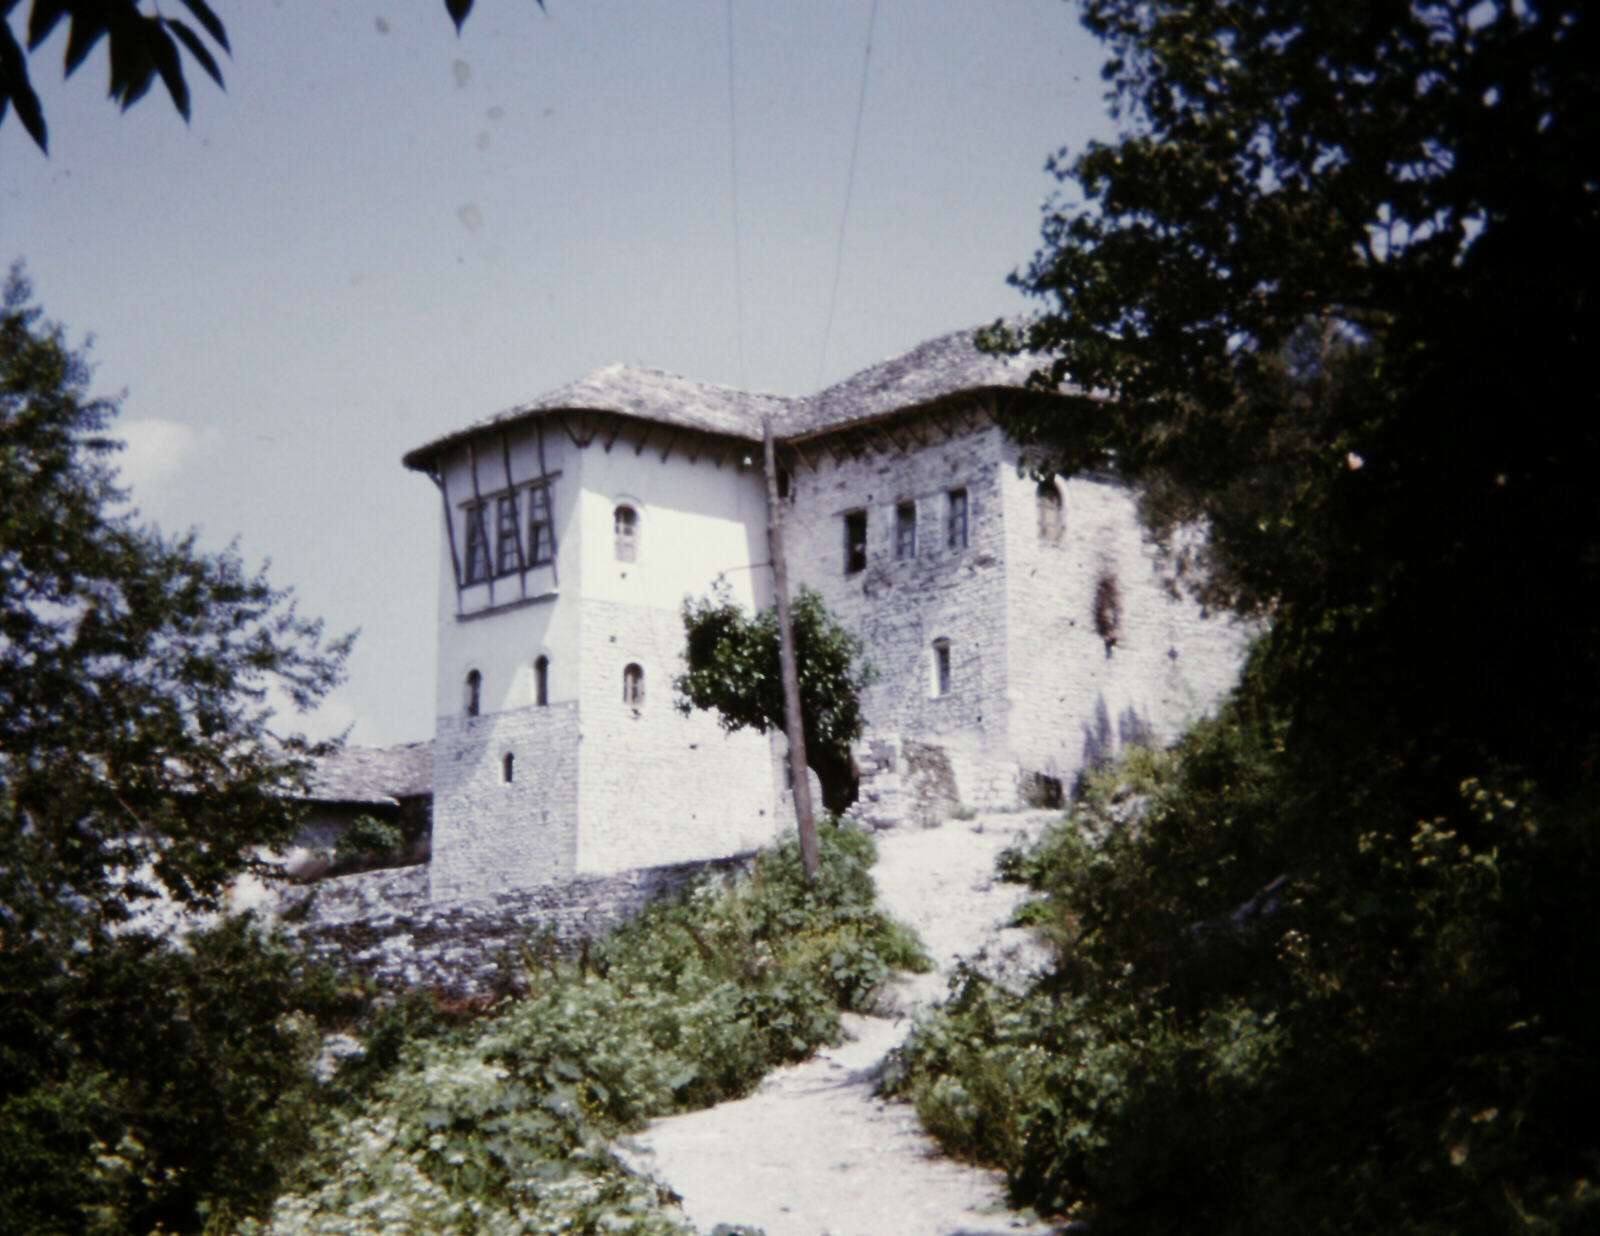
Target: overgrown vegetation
[
  {"x": 142, "y": 1087},
  {"x": 1262, "y": 1021},
  {"x": 1336, "y": 280},
  {"x": 503, "y": 1127}
]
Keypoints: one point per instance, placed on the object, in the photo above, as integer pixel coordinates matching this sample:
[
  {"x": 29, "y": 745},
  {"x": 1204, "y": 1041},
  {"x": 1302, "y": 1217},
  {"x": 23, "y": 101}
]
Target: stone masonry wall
[
  {"x": 383, "y": 924},
  {"x": 490, "y": 835},
  {"x": 901, "y": 604},
  {"x": 1102, "y": 652},
  {"x": 657, "y": 786}
]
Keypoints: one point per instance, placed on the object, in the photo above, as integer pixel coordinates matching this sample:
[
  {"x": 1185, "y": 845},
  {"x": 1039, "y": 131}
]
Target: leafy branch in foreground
[{"x": 141, "y": 47}]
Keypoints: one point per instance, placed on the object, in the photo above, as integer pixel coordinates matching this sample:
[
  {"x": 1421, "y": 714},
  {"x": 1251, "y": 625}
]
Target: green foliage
[
  {"x": 503, "y": 1127},
  {"x": 733, "y": 668},
  {"x": 366, "y": 843},
  {"x": 141, "y": 1085},
  {"x": 1336, "y": 973},
  {"x": 150, "y": 1087},
  {"x": 1262, "y": 1022},
  {"x": 142, "y": 46},
  {"x": 133, "y": 670}
]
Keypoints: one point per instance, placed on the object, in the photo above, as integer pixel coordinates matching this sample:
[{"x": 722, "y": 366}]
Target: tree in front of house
[
  {"x": 137, "y": 1084},
  {"x": 733, "y": 668}
]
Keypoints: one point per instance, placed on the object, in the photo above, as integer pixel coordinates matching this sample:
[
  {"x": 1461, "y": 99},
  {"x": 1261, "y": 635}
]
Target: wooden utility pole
[{"x": 798, "y": 769}]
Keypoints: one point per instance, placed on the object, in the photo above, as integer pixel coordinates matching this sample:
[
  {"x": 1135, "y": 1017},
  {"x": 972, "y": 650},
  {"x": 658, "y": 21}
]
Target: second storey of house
[{"x": 622, "y": 493}]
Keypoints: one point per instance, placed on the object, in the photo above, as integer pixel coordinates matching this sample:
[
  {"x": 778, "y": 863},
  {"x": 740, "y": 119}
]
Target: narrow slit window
[
  {"x": 541, "y": 681},
  {"x": 1050, "y": 521},
  {"x": 507, "y": 547},
  {"x": 477, "y": 545},
  {"x": 855, "y": 542},
  {"x": 507, "y": 767},
  {"x": 474, "y": 693},
  {"x": 541, "y": 538},
  {"x": 956, "y": 523},
  {"x": 633, "y": 686},
  {"x": 626, "y": 523},
  {"x": 941, "y": 667},
  {"x": 905, "y": 530}
]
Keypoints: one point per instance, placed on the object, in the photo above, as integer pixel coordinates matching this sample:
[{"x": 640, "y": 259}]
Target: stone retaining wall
[{"x": 383, "y": 925}]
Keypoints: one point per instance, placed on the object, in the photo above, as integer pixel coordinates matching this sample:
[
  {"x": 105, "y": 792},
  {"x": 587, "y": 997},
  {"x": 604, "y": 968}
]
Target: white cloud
[{"x": 157, "y": 452}]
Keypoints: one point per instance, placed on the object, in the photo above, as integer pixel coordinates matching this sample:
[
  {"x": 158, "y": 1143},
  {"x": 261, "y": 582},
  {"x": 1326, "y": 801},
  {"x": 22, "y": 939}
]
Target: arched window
[
  {"x": 941, "y": 668},
  {"x": 474, "y": 693},
  {"x": 626, "y": 522},
  {"x": 633, "y": 686},
  {"x": 1051, "y": 523},
  {"x": 507, "y": 767},
  {"x": 541, "y": 681}
]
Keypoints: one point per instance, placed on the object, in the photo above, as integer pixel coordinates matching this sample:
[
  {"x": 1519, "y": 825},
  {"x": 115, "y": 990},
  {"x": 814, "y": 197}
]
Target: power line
[
  {"x": 849, "y": 185},
  {"x": 733, "y": 194}
]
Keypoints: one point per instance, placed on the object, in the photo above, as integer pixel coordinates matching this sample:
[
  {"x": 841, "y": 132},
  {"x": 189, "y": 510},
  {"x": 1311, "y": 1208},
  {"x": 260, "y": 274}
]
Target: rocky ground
[{"x": 812, "y": 1152}]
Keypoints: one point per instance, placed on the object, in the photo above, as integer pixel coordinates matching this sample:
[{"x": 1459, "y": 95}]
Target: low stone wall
[{"x": 382, "y": 924}]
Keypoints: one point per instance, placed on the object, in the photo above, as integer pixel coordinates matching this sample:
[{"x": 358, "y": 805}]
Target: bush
[
  {"x": 502, "y": 1126},
  {"x": 1276, "y": 1013},
  {"x": 152, "y": 1087}
]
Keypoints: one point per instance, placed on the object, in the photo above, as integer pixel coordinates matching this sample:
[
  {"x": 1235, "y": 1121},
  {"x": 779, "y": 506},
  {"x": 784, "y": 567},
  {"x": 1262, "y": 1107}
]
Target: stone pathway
[{"x": 812, "y": 1152}]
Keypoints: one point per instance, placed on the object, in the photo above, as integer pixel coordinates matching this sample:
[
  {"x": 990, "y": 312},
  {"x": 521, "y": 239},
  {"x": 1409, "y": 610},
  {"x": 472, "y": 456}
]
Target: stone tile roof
[
  {"x": 928, "y": 373},
  {"x": 637, "y": 391},
  {"x": 377, "y": 775}
]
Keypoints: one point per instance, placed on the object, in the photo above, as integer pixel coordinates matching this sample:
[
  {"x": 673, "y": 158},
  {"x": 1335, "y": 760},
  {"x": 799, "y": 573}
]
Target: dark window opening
[
  {"x": 626, "y": 522},
  {"x": 541, "y": 540},
  {"x": 507, "y": 547},
  {"x": 541, "y": 681},
  {"x": 783, "y": 484},
  {"x": 474, "y": 693},
  {"x": 956, "y": 524},
  {"x": 633, "y": 686},
  {"x": 941, "y": 667},
  {"x": 477, "y": 545},
  {"x": 1050, "y": 521},
  {"x": 855, "y": 542},
  {"x": 905, "y": 530},
  {"x": 507, "y": 765}
]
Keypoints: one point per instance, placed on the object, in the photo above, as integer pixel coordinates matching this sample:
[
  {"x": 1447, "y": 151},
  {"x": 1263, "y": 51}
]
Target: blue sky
[{"x": 380, "y": 232}]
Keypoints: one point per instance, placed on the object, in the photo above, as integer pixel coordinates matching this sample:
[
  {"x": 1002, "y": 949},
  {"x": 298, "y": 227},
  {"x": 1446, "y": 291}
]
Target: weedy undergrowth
[{"x": 505, "y": 1128}]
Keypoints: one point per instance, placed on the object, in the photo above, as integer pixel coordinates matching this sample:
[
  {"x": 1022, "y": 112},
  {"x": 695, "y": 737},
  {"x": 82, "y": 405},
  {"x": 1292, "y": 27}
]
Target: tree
[
  {"x": 135, "y": 751},
  {"x": 1331, "y": 296},
  {"x": 136, "y": 762},
  {"x": 733, "y": 668},
  {"x": 142, "y": 47}
]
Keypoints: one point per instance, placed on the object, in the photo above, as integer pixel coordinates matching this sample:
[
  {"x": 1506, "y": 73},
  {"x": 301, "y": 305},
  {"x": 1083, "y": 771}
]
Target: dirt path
[{"x": 812, "y": 1152}]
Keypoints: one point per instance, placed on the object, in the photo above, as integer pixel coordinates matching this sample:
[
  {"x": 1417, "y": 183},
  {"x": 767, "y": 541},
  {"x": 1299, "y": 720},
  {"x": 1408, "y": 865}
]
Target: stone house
[{"x": 1021, "y": 629}]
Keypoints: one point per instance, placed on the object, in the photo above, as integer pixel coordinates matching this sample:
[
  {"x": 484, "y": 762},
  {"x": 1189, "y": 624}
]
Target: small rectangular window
[
  {"x": 855, "y": 542},
  {"x": 941, "y": 667},
  {"x": 625, "y": 521},
  {"x": 507, "y": 547},
  {"x": 956, "y": 524},
  {"x": 905, "y": 530},
  {"x": 541, "y": 540},
  {"x": 477, "y": 544}
]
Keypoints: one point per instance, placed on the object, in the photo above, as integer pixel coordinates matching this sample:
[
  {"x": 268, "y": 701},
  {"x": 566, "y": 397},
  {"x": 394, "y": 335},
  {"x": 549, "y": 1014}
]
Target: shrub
[
  {"x": 169, "y": 1088},
  {"x": 502, "y": 1125},
  {"x": 1275, "y": 1013}
]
